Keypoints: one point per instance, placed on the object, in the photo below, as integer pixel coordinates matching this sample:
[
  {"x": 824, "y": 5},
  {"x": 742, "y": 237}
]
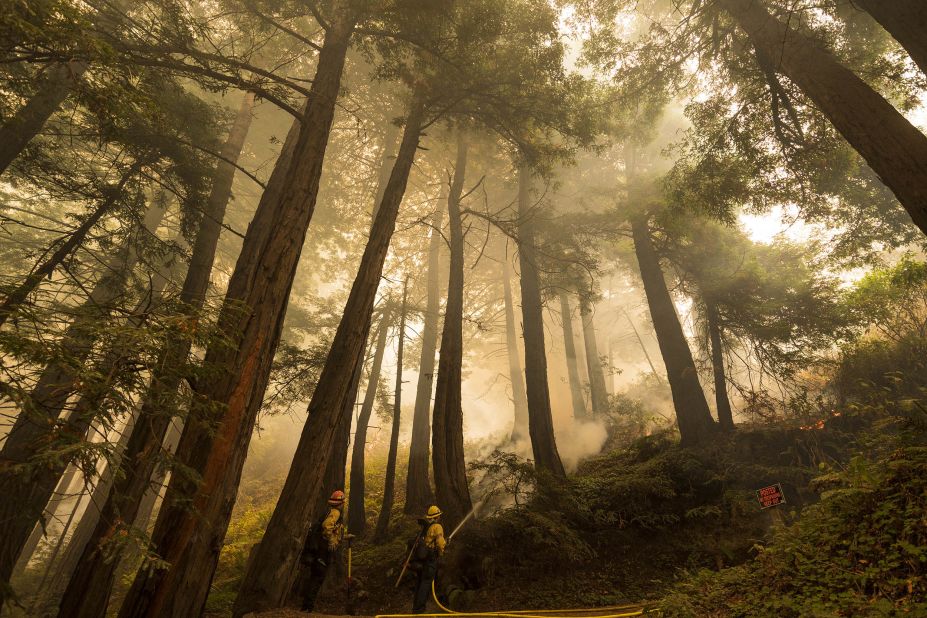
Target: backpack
[
  {"x": 316, "y": 544},
  {"x": 424, "y": 553}
]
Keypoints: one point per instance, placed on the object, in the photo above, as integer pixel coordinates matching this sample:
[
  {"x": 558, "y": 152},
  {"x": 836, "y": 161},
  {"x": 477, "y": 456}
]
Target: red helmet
[{"x": 337, "y": 498}]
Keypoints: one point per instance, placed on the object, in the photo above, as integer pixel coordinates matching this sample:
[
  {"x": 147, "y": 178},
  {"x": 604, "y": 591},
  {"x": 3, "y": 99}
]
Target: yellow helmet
[{"x": 433, "y": 512}]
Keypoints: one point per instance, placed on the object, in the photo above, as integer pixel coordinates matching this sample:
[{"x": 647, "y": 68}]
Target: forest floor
[
  {"x": 623, "y": 529},
  {"x": 654, "y": 522}
]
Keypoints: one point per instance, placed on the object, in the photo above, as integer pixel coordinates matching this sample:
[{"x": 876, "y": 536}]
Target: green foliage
[
  {"x": 861, "y": 551},
  {"x": 505, "y": 478},
  {"x": 655, "y": 485},
  {"x": 774, "y": 304},
  {"x": 244, "y": 531},
  {"x": 887, "y": 360}
]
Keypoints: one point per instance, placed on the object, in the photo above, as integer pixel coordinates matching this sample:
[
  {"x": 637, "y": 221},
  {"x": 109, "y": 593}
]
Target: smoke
[{"x": 579, "y": 440}]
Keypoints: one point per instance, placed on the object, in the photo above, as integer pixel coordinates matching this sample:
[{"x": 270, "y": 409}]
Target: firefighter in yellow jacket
[
  {"x": 321, "y": 550},
  {"x": 431, "y": 546}
]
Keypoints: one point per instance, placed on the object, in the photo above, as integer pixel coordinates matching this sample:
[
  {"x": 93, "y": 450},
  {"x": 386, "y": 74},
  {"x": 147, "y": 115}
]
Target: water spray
[{"x": 464, "y": 520}]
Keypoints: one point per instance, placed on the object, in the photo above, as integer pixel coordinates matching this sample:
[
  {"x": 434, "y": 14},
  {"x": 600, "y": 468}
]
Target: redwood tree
[
  {"x": 357, "y": 514},
  {"x": 227, "y": 400},
  {"x": 722, "y": 401},
  {"x": 386, "y": 508},
  {"x": 599, "y": 394},
  {"x": 516, "y": 376},
  {"x": 893, "y": 147},
  {"x": 265, "y": 582},
  {"x": 66, "y": 245},
  {"x": 692, "y": 413},
  {"x": 91, "y": 583},
  {"x": 569, "y": 344},
  {"x": 55, "y": 85},
  {"x": 447, "y": 444},
  {"x": 540, "y": 418},
  {"x": 25, "y": 484},
  {"x": 906, "y": 21},
  {"x": 418, "y": 485}
]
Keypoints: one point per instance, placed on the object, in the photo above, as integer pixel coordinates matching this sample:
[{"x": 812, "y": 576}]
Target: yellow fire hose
[{"x": 621, "y": 611}]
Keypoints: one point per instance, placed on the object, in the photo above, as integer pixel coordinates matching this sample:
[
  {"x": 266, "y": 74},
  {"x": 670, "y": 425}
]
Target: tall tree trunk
[
  {"x": 226, "y": 401},
  {"x": 390, "y": 483},
  {"x": 88, "y": 411},
  {"x": 41, "y": 593},
  {"x": 418, "y": 484},
  {"x": 335, "y": 471},
  {"x": 569, "y": 344},
  {"x": 390, "y": 143},
  {"x": 516, "y": 377},
  {"x": 88, "y": 521},
  {"x": 725, "y": 416},
  {"x": 894, "y": 148},
  {"x": 27, "y": 122},
  {"x": 540, "y": 418},
  {"x": 51, "y": 511},
  {"x": 128, "y": 560},
  {"x": 692, "y": 413},
  {"x": 357, "y": 513},
  {"x": 27, "y": 491},
  {"x": 91, "y": 583},
  {"x": 66, "y": 246},
  {"x": 447, "y": 441},
  {"x": 906, "y": 21},
  {"x": 265, "y": 582},
  {"x": 597, "y": 390}
]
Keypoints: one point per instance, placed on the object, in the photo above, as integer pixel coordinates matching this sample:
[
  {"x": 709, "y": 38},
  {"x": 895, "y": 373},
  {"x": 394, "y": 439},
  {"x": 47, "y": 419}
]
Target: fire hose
[{"x": 611, "y": 611}]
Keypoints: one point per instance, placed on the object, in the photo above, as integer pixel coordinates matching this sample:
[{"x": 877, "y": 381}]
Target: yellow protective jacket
[
  {"x": 434, "y": 539},
  {"x": 332, "y": 528}
]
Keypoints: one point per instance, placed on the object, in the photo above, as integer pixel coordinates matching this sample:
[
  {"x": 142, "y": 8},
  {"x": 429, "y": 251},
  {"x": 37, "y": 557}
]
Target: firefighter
[
  {"x": 430, "y": 547},
  {"x": 321, "y": 550}
]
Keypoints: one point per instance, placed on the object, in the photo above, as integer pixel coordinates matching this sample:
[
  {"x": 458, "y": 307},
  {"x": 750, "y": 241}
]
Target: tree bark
[
  {"x": 90, "y": 585},
  {"x": 28, "y": 121},
  {"x": 540, "y": 417},
  {"x": 265, "y": 582},
  {"x": 722, "y": 402},
  {"x": 357, "y": 514},
  {"x": 88, "y": 521},
  {"x": 390, "y": 143},
  {"x": 569, "y": 344},
  {"x": 894, "y": 148},
  {"x": 418, "y": 485},
  {"x": 335, "y": 471},
  {"x": 906, "y": 21},
  {"x": 516, "y": 377},
  {"x": 390, "y": 482},
  {"x": 51, "y": 510},
  {"x": 88, "y": 411},
  {"x": 447, "y": 440},
  {"x": 41, "y": 593},
  {"x": 597, "y": 390},
  {"x": 66, "y": 246},
  {"x": 128, "y": 561},
  {"x": 188, "y": 536},
  {"x": 692, "y": 413},
  {"x": 27, "y": 491}
]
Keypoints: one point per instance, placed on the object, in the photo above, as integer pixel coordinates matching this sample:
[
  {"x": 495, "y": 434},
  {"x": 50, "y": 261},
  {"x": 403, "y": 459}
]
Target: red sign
[{"x": 770, "y": 496}]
